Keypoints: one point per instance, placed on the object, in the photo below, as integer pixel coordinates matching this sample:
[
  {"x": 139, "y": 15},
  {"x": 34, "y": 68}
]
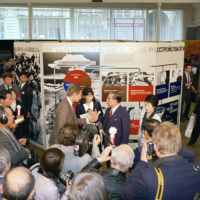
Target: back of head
[
  {"x": 3, "y": 94},
  {"x": 4, "y": 159},
  {"x": 51, "y": 163},
  {"x": 67, "y": 134},
  {"x": 8, "y": 64},
  {"x": 122, "y": 157},
  {"x": 149, "y": 125},
  {"x": 18, "y": 183},
  {"x": 167, "y": 137},
  {"x": 73, "y": 89},
  {"x": 88, "y": 185}
]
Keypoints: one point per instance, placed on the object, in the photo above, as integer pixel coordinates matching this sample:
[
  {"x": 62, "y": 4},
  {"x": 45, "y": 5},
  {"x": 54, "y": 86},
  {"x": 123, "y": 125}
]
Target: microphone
[
  {"x": 99, "y": 112},
  {"x": 18, "y": 96},
  {"x": 102, "y": 133}
]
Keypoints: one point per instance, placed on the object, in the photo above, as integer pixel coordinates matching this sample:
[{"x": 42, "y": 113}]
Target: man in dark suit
[
  {"x": 65, "y": 112},
  {"x": 178, "y": 179},
  {"x": 148, "y": 128},
  {"x": 186, "y": 91},
  {"x": 27, "y": 98},
  {"x": 116, "y": 122},
  {"x": 7, "y": 83},
  {"x": 8, "y": 140},
  {"x": 4, "y": 163},
  {"x": 179, "y": 78}
]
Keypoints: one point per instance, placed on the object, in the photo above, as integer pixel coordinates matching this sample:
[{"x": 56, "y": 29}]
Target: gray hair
[
  {"x": 13, "y": 64},
  {"x": 8, "y": 64},
  {"x": 122, "y": 156},
  {"x": 4, "y": 158}
]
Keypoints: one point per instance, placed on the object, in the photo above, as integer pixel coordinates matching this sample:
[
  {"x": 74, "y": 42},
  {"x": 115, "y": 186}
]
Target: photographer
[
  {"x": 178, "y": 179},
  {"x": 46, "y": 174},
  {"x": 8, "y": 140},
  {"x": 67, "y": 135},
  {"x": 115, "y": 177},
  {"x": 148, "y": 128}
]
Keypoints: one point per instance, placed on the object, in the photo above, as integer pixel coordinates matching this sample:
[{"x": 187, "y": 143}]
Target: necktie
[
  {"x": 110, "y": 115},
  {"x": 188, "y": 78}
]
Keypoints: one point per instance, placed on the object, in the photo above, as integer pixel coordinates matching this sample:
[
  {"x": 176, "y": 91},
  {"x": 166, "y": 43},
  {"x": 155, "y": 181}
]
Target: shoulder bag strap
[{"x": 160, "y": 189}]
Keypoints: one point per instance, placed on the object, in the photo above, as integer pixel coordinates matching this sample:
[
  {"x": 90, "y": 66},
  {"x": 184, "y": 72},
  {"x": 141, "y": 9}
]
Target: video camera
[
  {"x": 66, "y": 177},
  {"x": 84, "y": 139},
  {"x": 32, "y": 157},
  {"x": 150, "y": 149}
]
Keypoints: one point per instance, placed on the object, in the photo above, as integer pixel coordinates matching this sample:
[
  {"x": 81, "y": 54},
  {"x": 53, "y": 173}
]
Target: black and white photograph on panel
[
  {"x": 63, "y": 63},
  {"x": 162, "y": 77},
  {"x": 28, "y": 59},
  {"x": 141, "y": 79},
  {"x": 175, "y": 75},
  {"x": 136, "y": 112},
  {"x": 114, "y": 78}
]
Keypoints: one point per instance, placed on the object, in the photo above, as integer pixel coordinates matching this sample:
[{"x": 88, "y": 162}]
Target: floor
[{"x": 195, "y": 148}]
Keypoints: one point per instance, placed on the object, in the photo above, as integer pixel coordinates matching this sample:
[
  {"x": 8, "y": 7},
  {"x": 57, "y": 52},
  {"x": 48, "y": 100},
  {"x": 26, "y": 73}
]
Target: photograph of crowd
[
  {"x": 162, "y": 77},
  {"x": 114, "y": 78},
  {"x": 136, "y": 112},
  {"x": 141, "y": 79}
]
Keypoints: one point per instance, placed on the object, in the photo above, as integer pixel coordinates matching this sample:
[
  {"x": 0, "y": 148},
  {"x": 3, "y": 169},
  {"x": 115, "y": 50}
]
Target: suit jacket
[
  {"x": 185, "y": 90},
  {"x": 64, "y": 114},
  {"x": 185, "y": 152},
  {"x": 16, "y": 87},
  {"x": 81, "y": 110},
  {"x": 121, "y": 121},
  {"x": 16, "y": 157},
  {"x": 1, "y": 178},
  {"x": 19, "y": 129},
  {"x": 27, "y": 96},
  {"x": 181, "y": 181}
]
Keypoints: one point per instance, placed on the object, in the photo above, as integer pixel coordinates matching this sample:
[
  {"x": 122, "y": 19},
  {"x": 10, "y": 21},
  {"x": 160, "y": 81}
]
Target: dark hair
[
  {"x": 12, "y": 90},
  {"x": 85, "y": 92},
  {"x": 197, "y": 196},
  {"x": 149, "y": 125},
  {"x": 88, "y": 185},
  {"x": 191, "y": 55},
  {"x": 24, "y": 73},
  {"x": 23, "y": 190},
  {"x": 3, "y": 94},
  {"x": 116, "y": 96},
  {"x": 187, "y": 64},
  {"x": 153, "y": 99},
  {"x": 7, "y": 75},
  {"x": 51, "y": 163},
  {"x": 67, "y": 134}
]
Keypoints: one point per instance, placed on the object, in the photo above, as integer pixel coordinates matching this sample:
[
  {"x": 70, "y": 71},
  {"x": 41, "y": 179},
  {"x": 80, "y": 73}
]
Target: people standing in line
[
  {"x": 151, "y": 102},
  {"x": 186, "y": 91},
  {"x": 27, "y": 98}
]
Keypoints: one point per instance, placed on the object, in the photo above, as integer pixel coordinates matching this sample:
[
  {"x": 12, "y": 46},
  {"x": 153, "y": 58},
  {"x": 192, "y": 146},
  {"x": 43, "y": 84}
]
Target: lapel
[
  {"x": 24, "y": 87},
  {"x": 71, "y": 109}
]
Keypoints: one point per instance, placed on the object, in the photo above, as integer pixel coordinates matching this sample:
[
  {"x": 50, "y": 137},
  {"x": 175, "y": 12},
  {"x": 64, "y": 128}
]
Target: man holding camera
[
  {"x": 8, "y": 140},
  {"x": 148, "y": 127},
  {"x": 178, "y": 179},
  {"x": 115, "y": 177}
]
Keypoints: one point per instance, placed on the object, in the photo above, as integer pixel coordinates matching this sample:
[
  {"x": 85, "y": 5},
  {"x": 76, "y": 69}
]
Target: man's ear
[
  {"x": 155, "y": 147},
  {"x": 131, "y": 165},
  {"x": 31, "y": 194}
]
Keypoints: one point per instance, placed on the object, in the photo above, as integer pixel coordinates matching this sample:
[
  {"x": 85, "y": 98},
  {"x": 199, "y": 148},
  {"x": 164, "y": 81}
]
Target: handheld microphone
[
  {"x": 99, "y": 112},
  {"x": 102, "y": 133}
]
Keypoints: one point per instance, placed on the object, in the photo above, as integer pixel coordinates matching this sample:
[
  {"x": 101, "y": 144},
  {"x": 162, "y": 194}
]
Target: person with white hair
[{"x": 121, "y": 160}]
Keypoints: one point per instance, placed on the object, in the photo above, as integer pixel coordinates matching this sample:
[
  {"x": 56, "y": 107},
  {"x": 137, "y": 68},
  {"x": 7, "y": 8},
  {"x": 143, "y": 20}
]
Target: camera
[
  {"x": 84, "y": 139},
  {"x": 150, "y": 149},
  {"x": 66, "y": 177}
]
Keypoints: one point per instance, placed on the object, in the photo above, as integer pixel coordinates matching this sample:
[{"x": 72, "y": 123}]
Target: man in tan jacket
[{"x": 65, "y": 112}]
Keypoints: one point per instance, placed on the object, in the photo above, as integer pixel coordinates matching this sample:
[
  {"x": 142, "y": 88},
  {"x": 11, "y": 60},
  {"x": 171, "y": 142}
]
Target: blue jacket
[
  {"x": 185, "y": 152},
  {"x": 121, "y": 121},
  {"x": 181, "y": 181}
]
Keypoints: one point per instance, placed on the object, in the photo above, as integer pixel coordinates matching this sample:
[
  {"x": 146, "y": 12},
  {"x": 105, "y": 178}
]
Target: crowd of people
[{"x": 160, "y": 168}]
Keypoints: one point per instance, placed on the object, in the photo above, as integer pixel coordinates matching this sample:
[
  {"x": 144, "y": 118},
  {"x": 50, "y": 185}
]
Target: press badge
[{"x": 23, "y": 92}]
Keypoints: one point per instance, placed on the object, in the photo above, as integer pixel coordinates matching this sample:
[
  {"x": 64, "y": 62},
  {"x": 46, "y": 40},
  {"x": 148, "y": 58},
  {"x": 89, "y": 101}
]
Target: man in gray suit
[
  {"x": 8, "y": 140},
  {"x": 65, "y": 112},
  {"x": 7, "y": 83}
]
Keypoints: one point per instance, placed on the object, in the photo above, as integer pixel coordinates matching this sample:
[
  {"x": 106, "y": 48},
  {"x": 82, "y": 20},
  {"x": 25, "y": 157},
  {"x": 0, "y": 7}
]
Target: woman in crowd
[
  {"x": 19, "y": 112},
  {"x": 89, "y": 104},
  {"x": 46, "y": 174},
  {"x": 87, "y": 185},
  {"x": 151, "y": 102},
  {"x": 67, "y": 135}
]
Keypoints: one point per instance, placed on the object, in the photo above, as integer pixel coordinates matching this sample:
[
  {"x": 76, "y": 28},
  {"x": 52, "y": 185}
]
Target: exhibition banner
[
  {"x": 175, "y": 82},
  {"x": 135, "y": 125}
]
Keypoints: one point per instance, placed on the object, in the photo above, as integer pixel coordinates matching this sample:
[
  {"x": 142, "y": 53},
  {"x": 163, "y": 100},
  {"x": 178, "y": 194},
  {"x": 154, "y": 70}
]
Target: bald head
[
  {"x": 18, "y": 183},
  {"x": 122, "y": 157}
]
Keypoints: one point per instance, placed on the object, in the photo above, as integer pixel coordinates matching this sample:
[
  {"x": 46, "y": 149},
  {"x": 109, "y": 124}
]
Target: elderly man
[
  {"x": 115, "y": 177},
  {"x": 18, "y": 183},
  {"x": 178, "y": 179}
]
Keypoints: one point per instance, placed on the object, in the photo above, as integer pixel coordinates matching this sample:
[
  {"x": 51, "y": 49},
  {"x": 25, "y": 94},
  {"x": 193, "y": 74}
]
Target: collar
[
  {"x": 8, "y": 86},
  {"x": 70, "y": 102},
  {"x": 116, "y": 172},
  {"x": 90, "y": 107},
  {"x": 166, "y": 159},
  {"x": 187, "y": 73},
  {"x": 115, "y": 108},
  {"x": 22, "y": 84}
]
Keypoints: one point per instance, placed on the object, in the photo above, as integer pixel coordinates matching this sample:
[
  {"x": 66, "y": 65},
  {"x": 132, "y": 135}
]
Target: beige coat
[{"x": 64, "y": 114}]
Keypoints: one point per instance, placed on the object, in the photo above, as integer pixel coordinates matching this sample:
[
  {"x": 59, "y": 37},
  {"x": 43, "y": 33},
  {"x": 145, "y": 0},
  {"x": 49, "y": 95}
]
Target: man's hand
[
  {"x": 193, "y": 89},
  {"x": 27, "y": 150},
  {"x": 93, "y": 113},
  {"x": 28, "y": 115},
  {"x": 22, "y": 141},
  {"x": 188, "y": 85},
  {"x": 96, "y": 141},
  {"x": 144, "y": 152},
  {"x": 20, "y": 117},
  {"x": 194, "y": 115},
  {"x": 13, "y": 126},
  {"x": 67, "y": 189},
  {"x": 105, "y": 154},
  {"x": 93, "y": 119}
]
